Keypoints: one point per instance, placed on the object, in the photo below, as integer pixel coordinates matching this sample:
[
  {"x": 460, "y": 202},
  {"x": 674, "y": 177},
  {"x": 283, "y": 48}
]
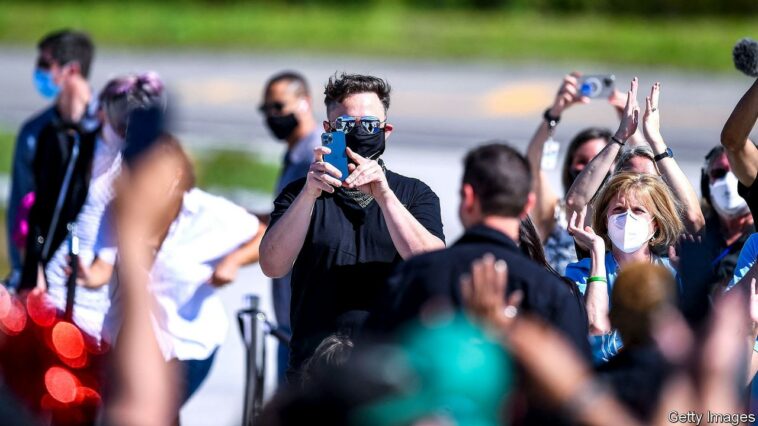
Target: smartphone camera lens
[{"x": 591, "y": 87}]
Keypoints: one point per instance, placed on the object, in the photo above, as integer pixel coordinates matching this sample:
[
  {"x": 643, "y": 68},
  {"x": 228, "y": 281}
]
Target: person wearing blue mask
[{"x": 60, "y": 75}]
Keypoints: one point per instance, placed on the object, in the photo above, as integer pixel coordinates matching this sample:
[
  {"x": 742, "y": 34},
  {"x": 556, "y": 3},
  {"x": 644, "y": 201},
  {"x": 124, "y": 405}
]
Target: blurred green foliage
[{"x": 438, "y": 29}]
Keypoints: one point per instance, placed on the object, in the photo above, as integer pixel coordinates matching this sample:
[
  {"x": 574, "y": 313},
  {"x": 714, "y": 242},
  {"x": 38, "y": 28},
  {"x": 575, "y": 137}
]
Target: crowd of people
[{"x": 628, "y": 300}]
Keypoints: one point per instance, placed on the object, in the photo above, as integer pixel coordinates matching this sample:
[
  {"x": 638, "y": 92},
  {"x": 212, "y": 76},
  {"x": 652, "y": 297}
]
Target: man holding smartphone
[{"x": 342, "y": 236}]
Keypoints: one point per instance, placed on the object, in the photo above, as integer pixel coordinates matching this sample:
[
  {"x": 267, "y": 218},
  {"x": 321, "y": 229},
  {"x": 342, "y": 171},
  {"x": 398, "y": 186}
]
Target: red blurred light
[
  {"x": 15, "y": 321},
  {"x": 5, "y": 301},
  {"x": 40, "y": 309},
  {"x": 87, "y": 395},
  {"x": 68, "y": 341},
  {"x": 61, "y": 384}
]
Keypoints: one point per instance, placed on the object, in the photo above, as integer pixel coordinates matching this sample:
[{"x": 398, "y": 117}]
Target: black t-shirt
[
  {"x": 345, "y": 260},
  {"x": 750, "y": 194}
]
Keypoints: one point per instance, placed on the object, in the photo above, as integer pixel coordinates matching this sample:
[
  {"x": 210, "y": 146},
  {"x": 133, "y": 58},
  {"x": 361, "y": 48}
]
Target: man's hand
[
  {"x": 322, "y": 176},
  {"x": 631, "y": 116},
  {"x": 568, "y": 94},
  {"x": 225, "y": 272},
  {"x": 74, "y": 98},
  {"x": 651, "y": 122},
  {"x": 367, "y": 176},
  {"x": 483, "y": 293}
]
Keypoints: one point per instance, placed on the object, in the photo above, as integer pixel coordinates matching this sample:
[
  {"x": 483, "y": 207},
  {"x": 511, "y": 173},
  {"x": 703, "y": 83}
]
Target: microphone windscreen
[{"x": 745, "y": 55}]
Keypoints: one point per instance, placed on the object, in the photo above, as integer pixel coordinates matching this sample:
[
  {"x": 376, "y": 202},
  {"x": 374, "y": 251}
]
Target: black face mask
[
  {"x": 573, "y": 174},
  {"x": 282, "y": 126},
  {"x": 365, "y": 144}
]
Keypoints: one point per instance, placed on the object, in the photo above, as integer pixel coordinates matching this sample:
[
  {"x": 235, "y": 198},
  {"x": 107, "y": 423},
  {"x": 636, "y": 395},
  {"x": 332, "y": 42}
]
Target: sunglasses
[
  {"x": 347, "y": 124},
  {"x": 717, "y": 174},
  {"x": 271, "y": 107}
]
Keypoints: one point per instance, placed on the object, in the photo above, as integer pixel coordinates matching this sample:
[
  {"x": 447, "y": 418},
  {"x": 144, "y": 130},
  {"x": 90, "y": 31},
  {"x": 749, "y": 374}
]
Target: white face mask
[
  {"x": 725, "y": 199},
  {"x": 628, "y": 232}
]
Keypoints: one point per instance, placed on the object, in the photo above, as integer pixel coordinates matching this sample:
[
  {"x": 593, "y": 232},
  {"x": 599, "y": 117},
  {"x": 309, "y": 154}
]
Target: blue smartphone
[{"x": 338, "y": 158}]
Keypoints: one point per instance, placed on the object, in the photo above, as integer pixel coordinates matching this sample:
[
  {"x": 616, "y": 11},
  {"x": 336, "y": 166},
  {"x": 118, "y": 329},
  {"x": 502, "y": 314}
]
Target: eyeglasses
[
  {"x": 271, "y": 107},
  {"x": 716, "y": 174},
  {"x": 346, "y": 124}
]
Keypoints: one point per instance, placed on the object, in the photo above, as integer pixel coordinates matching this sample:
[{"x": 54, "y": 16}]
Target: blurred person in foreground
[
  {"x": 63, "y": 65},
  {"x": 288, "y": 109},
  {"x": 198, "y": 243},
  {"x": 90, "y": 193},
  {"x": 496, "y": 195},
  {"x": 335, "y": 231},
  {"x": 705, "y": 374}
]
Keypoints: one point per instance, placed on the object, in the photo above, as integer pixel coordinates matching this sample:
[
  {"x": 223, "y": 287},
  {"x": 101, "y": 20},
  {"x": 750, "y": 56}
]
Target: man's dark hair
[
  {"x": 500, "y": 177},
  {"x": 341, "y": 86},
  {"x": 293, "y": 78},
  {"x": 66, "y": 46}
]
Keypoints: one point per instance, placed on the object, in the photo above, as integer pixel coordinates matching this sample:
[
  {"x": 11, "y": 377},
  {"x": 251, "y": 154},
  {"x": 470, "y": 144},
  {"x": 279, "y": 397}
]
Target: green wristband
[{"x": 596, "y": 279}]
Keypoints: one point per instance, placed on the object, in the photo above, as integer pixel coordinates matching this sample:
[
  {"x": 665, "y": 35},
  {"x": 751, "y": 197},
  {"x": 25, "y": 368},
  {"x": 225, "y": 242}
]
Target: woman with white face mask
[{"x": 634, "y": 217}]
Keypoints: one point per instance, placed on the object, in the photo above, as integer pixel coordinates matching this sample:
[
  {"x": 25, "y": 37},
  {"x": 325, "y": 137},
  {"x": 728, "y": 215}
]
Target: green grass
[
  {"x": 696, "y": 43},
  {"x": 7, "y": 140},
  {"x": 235, "y": 169}
]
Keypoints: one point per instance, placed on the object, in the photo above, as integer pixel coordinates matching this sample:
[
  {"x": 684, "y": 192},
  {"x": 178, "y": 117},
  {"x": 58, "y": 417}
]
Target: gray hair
[{"x": 627, "y": 153}]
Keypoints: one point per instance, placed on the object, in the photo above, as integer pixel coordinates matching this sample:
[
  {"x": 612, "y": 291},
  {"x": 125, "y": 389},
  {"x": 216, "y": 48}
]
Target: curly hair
[{"x": 341, "y": 86}]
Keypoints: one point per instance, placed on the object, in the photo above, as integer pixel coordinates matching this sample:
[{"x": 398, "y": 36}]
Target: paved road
[{"x": 440, "y": 109}]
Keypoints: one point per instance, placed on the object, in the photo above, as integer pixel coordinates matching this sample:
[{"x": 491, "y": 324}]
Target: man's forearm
[
  {"x": 283, "y": 241},
  {"x": 408, "y": 235},
  {"x": 741, "y": 121}
]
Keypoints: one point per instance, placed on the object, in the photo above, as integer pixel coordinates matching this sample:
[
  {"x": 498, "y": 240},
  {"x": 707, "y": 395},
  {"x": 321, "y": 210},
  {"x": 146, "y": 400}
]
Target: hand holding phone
[{"x": 335, "y": 141}]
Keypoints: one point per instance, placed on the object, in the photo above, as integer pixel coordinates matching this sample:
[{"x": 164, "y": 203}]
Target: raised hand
[
  {"x": 585, "y": 236},
  {"x": 322, "y": 176},
  {"x": 651, "y": 122},
  {"x": 366, "y": 175},
  {"x": 631, "y": 115},
  {"x": 568, "y": 94},
  {"x": 484, "y": 292}
]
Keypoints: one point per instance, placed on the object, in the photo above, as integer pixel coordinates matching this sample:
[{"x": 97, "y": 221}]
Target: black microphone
[{"x": 745, "y": 54}]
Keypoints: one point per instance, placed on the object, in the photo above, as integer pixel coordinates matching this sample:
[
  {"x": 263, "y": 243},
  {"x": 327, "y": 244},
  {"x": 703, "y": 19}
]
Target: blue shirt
[{"x": 607, "y": 345}]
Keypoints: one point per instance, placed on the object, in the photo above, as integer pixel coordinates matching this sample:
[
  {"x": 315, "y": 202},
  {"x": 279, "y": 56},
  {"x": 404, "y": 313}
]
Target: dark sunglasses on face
[
  {"x": 271, "y": 107},
  {"x": 716, "y": 174},
  {"x": 347, "y": 124},
  {"x": 44, "y": 63}
]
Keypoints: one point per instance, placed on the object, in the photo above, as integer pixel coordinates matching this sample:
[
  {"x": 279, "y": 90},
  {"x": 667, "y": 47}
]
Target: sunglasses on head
[
  {"x": 347, "y": 124},
  {"x": 271, "y": 107}
]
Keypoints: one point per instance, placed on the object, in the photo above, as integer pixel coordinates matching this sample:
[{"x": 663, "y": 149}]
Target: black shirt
[
  {"x": 434, "y": 277},
  {"x": 346, "y": 258}
]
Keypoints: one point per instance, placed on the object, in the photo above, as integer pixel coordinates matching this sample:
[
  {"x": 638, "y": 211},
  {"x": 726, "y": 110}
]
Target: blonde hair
[{"x": 651, "y": 191}]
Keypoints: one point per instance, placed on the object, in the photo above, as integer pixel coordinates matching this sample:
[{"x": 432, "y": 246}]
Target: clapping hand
[
  {"x": 651, "y": 122},
  {"x": 631, "y": 115}
]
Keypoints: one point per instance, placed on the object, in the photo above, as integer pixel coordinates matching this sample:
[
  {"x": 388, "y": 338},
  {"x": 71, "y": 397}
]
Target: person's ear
[
  {"x": 531, "y": 201},
  {"x": 72, "y": 68},
  {"x": 388, "y": 130},
  {"x": 468, "y": 198},
  {"x": 327, "y": 126}
]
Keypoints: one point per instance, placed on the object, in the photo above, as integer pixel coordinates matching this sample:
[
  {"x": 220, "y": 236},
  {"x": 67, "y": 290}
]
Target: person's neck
[
  {"x": 506, "y": 225},
  {"x": 642, "y": 255},
  {"x": 301, "y": 131},
  {"x": 733, "y": 228}
]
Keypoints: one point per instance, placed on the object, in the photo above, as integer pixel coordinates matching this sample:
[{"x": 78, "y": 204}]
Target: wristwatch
[{"x": 668, "y": 153}]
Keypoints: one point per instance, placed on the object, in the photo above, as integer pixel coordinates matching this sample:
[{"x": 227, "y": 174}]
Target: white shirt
[
  {"x": 90, "y": 305},
  {"x": 190, "y": 319}
]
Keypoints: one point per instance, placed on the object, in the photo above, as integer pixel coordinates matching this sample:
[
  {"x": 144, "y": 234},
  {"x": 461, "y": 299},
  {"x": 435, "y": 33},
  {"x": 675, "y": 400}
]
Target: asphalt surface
[{"x": 439, "y": 109}]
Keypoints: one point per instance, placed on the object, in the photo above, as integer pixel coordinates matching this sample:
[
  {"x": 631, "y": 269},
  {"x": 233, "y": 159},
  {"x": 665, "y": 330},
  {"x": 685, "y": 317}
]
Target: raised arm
[
  {"x": 596, "y": 297},
  {"x": 408, "y": 235},
  {"x": 668, "y": 167},
  {"x": 284, "y": 240},
  {"x": 735, "y": 137},
  {"x": 543, "y": 213},
  {"x": 591, "y": 178}
]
